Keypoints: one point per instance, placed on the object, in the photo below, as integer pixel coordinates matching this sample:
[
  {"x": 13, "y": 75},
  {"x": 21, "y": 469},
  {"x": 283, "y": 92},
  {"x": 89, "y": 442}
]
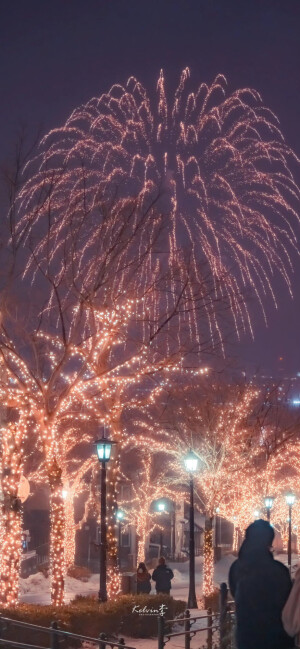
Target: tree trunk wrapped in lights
[
  {"x": 57, "y": 535},
  {"x": 70, "y": 529},
  {"x": 113, "y": 572},
  {"x": 11, "y": 514},
  {"x": 208, "y": 563}
]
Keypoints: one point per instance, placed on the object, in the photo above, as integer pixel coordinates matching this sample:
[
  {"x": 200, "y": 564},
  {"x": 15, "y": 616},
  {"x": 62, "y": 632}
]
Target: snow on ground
[{"x": 36, "y": 588}]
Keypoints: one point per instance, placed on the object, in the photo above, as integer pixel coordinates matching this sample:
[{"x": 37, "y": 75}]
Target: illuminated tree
[
  {"x": 89, "y": 375},
  {"x": 150, "y": 482},
  {"x": 212, "y": 418}
]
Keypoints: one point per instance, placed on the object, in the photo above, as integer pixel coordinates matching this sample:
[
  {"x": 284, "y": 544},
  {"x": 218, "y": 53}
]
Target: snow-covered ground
[{"x": 36, "y": 589}]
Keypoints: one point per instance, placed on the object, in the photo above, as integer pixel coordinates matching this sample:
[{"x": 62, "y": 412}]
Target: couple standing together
[{"x": 162, "y": 576}]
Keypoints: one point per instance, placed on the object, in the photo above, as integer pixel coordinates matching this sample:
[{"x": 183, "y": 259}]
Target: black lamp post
[
  {"x": 269, "y": 504},
  {"x": 161, "y": 507},
  {"x": 290, "y": 499},
  {"x": 119, "y": 517},
  {"x": 104, "y": 447},
  {"x": 191, "y": 462}
]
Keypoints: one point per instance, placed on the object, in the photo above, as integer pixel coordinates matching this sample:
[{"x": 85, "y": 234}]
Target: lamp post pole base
[
  {"x": 102, "y": 597},
  {"x": 192, "y": 601}
]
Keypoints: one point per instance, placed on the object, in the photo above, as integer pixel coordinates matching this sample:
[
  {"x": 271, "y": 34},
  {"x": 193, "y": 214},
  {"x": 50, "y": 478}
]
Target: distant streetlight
[
  {"x": 191, "y": 462},
  {"x": 269, "y": 504},
  {"x": 290, "y": 499},
  {"x": 161, "y": 507},
  {"x": 103, "y": 447},
  {"x": 256, "y": 513},
  {"x": 119, "y": 516}
]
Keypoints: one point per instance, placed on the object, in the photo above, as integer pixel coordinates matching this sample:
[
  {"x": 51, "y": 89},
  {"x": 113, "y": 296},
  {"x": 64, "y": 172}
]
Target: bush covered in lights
[{"x": 87, "y": 617}]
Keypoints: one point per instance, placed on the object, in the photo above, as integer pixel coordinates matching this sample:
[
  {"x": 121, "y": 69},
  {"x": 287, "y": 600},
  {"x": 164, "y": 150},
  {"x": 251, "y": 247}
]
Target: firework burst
[{"x": 214, "y": 166}]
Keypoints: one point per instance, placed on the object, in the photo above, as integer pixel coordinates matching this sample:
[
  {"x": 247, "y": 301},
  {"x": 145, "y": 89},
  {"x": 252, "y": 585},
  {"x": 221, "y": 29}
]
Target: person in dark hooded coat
[{"x": 260, "y": 586}]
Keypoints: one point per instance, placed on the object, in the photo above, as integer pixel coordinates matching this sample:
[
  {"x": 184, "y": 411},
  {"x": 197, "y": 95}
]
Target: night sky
[{"x": 56, "y": 54}]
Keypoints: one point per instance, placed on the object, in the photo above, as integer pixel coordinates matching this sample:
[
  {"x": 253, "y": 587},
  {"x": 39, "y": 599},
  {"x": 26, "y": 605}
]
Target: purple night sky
[{"x": 56, "y": 54}]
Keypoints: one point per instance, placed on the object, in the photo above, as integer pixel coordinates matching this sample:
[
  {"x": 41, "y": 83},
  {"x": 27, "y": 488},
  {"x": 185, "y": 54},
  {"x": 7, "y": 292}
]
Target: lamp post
[
  {"x": 269, "y": 504},
  {"x": 104, "y": 447},
  {"x": 119, "y": 517},
  {"x": 161, "y": 506},
  {"x": 290, "y": 499},
  {"x": 191, "y": 462}
]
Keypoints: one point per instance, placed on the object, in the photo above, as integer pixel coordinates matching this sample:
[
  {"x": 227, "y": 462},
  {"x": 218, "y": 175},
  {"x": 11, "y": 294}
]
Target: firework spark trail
[{"x": 221, "y": 167}]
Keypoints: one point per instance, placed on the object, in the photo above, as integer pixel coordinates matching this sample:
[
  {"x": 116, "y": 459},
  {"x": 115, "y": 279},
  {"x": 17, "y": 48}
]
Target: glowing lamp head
[
  {"x": 104, "y": 447},
  {"x": 120, "y": 514},
  {"x": 191, "y": 462},
  {"x": 290, "y": 499},
  {"x": 256, "y": 513},
  {"x": 161, "y": 506},
  {"x": 269, "y": 502}
]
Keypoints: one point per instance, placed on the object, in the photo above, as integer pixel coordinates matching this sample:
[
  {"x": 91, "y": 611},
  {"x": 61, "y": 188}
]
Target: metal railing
[
  {"x": 54, "y": 636},
  {"x": 221, "y": 624},
  {"x": 189, "y": 632}
]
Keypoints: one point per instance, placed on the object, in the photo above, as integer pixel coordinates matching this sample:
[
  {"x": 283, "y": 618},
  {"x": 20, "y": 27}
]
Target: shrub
[{"x": 87, "y": 617}]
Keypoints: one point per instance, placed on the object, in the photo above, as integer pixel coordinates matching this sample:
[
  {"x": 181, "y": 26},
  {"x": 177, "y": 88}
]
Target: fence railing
[
  {"x": 54, "y": 636},
  {"x": 164, "y": 635},
  {"x": 221, "y": 624}
]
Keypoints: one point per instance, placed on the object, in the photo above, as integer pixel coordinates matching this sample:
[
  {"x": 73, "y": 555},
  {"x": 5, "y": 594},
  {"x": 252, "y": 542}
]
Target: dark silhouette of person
[
  {"x": 260, "y": 586},
  {"x": 143, "y": 578},
  {"x": 162, "y": 576}
]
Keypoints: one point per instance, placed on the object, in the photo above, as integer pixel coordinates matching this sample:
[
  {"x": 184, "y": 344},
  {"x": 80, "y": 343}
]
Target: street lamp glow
[
  {"x": 120, "y": 514},
  {"x": 256, "y": 513},
  {"x": 290, "y": 499},
  {"x": 269, "y": 502},
  {"x": 161, "y": 506},
  {"x": 104, "y": 447},
  {"x": 191, "y": 461},
  {"x": 64, "y": 494}
]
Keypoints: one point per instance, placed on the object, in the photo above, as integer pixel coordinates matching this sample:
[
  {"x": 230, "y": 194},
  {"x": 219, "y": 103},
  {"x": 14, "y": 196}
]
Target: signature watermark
[{"x": 144, "y": 610}]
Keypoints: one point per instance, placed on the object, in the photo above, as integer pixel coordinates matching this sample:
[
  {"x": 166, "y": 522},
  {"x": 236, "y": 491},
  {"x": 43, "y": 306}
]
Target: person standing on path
[
  {"x": 162, "y": 576},
  {"x": 143, "y": 578},
  {"x": 260, "y": 586}
]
